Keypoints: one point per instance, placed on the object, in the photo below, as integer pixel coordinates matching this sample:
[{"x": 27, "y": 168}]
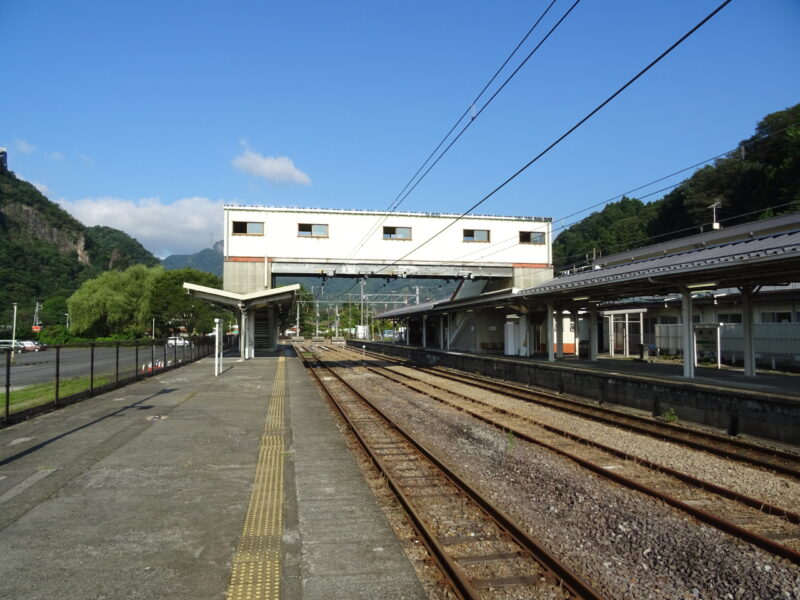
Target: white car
[{"x": 177, "y": 341}]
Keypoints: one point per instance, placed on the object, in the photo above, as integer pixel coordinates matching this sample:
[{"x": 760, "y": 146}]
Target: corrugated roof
[
  {"x": 709, "y": 238},
  {"x": 738, "y": 252}
]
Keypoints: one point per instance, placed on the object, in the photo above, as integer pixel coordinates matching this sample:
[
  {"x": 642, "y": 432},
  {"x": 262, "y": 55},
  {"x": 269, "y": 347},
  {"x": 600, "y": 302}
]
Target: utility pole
[{"x": 14, "y": 332}]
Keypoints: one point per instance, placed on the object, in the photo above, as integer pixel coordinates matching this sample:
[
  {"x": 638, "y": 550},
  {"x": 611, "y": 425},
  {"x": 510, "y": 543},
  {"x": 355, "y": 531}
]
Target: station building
[{"x": 486, "y": 253}]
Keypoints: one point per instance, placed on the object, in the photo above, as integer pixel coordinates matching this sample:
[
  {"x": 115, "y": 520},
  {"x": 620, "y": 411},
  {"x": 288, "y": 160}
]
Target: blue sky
[{"x": 148, "y": 116}]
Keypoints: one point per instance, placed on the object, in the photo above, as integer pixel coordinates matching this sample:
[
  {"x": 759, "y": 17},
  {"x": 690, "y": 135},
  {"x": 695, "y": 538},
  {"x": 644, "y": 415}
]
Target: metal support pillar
[
  {"x": 626, "y": 341},
  {"x": 559, "y": 334},
  {"x": 575, "y": 335},
  {"x": 688, "y": 335},
  {"x": 424, "y": 331},
  {"x": 593, "y": 334},
  {"x": 550, "y": 341},
  {"x": 747, "y": 331},
  {"x": 611, "y": 337}
]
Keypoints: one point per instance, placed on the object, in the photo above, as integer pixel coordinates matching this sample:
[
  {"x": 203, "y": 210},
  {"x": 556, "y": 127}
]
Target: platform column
[
  {"x": 688, "y": 335},
  {"x": 550, "y": 341},
  {"x": 626, "y": 341},
  {"x": 424, "y": 331},
  {"x": 747, "y": 331},
  {"x": 593, "y": 334},
  {"x": 611, "y": 340},
  {"x": 559, "y": 334}
]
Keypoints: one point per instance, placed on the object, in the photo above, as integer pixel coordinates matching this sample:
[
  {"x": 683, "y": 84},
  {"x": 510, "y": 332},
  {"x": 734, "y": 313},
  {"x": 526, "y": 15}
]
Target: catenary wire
[
  {"x": 398, "y": 200},
  {"x": 566, "y": 134}
]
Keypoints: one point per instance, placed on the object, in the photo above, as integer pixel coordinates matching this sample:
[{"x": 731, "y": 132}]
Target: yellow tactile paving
[{"x": 256, "y": 571}]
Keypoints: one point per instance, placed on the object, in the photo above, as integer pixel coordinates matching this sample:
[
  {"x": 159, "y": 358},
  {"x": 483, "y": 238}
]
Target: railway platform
[{"x": 186, "y": 485}]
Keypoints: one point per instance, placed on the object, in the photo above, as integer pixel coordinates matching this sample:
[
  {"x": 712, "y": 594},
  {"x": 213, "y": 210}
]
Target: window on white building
[
  {"x": 247, "y": 228},
  {"x": 476, "y": 235},
  {"x": 729, "y": 318},
  {"x": 397, "y": 233},
  {"x": 531, "y": 237},
  {"x": 776, "y": 317},
  {"x": 312, "y": 230}
]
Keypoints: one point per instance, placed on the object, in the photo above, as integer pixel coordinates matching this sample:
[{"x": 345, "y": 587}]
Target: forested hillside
[
  {"x": 45, "y": 254},
  {"x": 760, "y": 179},
  {"x": 208, "y": 260}
]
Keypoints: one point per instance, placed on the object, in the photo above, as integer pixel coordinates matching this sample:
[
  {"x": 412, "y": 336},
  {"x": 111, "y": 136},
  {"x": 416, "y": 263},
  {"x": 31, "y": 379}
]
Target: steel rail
[
  {"x": 571, "y": 581},
  {"x": 773, "y": 459},
  {"x": 755, "y": 503},
  {"x": 722, "y": 524}
]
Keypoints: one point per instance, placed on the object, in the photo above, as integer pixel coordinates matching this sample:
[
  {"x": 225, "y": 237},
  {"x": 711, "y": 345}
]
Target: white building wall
[{"x": 346, "y": 230}]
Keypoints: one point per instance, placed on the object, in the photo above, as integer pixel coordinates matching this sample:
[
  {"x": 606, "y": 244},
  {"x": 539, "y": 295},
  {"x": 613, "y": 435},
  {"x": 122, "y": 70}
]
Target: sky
[{"x": 149, "y": 116}]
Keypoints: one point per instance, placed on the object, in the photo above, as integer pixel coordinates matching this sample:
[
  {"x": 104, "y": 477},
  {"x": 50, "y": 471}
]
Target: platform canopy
[{"x": 251, "y": 300}]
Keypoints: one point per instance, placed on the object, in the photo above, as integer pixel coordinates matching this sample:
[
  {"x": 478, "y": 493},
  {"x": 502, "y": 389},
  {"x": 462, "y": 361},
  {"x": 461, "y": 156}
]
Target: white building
[{"x": 262, "y": 242}]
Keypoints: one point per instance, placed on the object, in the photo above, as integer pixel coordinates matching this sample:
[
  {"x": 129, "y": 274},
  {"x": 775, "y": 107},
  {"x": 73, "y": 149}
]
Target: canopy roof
[{"x": 259, "y": 299}]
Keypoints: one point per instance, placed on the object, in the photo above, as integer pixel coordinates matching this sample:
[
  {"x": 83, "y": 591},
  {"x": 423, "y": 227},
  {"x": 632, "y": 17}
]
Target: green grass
[{"x": 42, "y": 393}]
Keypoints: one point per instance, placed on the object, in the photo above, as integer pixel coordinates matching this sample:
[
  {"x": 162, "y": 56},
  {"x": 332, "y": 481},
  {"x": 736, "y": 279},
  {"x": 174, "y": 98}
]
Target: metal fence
[
  {"x": 35, "y": 382},
  {"x": 774, "y": 343}
]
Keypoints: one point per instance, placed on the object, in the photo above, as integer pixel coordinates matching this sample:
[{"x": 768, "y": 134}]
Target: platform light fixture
[
  {"x": 700, "y": 286},
  {"x": 579, "y": 298}
]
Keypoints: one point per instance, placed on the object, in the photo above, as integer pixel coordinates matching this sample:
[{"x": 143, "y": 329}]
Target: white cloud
[
  {"x": 182, "y": 227},
  {"x": 278, "y": 169},
  {"x": 56, "y": 156},
  {"x": 25, "y": 147},
  {"x": 41, "y": 187}
]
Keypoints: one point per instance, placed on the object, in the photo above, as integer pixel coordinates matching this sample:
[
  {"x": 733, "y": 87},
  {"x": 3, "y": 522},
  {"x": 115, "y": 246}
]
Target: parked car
[
  {"x": 6, "y": 345},
  {"x": 177, "y": 341}
]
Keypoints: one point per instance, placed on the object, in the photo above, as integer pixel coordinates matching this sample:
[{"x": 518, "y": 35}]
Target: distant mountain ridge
[
  {"x": 208, "y": 260},
  {"x": 46, "y": 252}
]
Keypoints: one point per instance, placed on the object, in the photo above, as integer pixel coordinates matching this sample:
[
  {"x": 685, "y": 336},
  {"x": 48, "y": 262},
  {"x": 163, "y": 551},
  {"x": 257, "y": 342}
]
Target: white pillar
[
  {"x": 593, "y": 334},
  {"x": 611, "y": 339},
  {"x": 448, "y": 331},
  {"x": 549, "y": 322},
  {"x": 747, "y": 331},
  {"x": 626, "y": 341},
  {"x": 641, "y": 336},
  {"x": 576, "y": 339},
  {"x": 688, "y": 335}
]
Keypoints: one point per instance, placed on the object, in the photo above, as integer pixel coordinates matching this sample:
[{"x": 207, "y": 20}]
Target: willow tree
[{"x": 114, "y": 303}]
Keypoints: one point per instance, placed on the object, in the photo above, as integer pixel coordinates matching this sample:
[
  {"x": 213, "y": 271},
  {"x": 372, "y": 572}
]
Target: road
[{"x": 39, "y": 367}]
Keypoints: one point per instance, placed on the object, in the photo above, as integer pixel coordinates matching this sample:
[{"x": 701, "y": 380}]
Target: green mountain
[
  {"x": 45, "y": 253},
  {"x": 208, "y": 260},
  {"x": 760, "y": 179}
]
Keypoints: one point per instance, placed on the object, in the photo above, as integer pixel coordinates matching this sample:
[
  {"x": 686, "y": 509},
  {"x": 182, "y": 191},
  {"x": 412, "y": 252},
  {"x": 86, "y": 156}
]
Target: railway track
[
  {"x": 760, "y": 523},
  {"x": 745, "y": 451},
  {"x": 481, "y": 552}
]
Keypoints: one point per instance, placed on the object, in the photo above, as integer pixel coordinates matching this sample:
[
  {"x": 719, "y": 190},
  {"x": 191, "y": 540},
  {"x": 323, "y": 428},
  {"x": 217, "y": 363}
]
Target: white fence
[{"x": 774, "y": 342}]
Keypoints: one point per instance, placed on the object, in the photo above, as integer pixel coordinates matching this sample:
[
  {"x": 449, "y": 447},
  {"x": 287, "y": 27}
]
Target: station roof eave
[
  {"x": 446, "y": 305},
  {"x": 281, "y": 295},
  {"x": 768, "y": 260}
]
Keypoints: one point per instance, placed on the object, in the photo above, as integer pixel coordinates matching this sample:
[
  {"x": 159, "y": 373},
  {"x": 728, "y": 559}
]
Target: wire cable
[
  {"x": 394, "y": 205},
  {"x": 567, "y": 133}
]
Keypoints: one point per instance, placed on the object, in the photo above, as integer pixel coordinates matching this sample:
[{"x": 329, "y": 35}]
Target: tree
[
  {"x": 173, "y": 308},
  {"x": 115, "y": 303}
]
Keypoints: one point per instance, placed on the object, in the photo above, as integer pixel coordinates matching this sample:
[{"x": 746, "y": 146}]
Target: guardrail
[{"x": 36, "y": 382}]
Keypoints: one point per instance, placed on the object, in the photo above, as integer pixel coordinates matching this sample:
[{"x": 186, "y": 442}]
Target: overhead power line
[
  {"x": 597, "y": 109},
  {"x": 404, "y": 193}
]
